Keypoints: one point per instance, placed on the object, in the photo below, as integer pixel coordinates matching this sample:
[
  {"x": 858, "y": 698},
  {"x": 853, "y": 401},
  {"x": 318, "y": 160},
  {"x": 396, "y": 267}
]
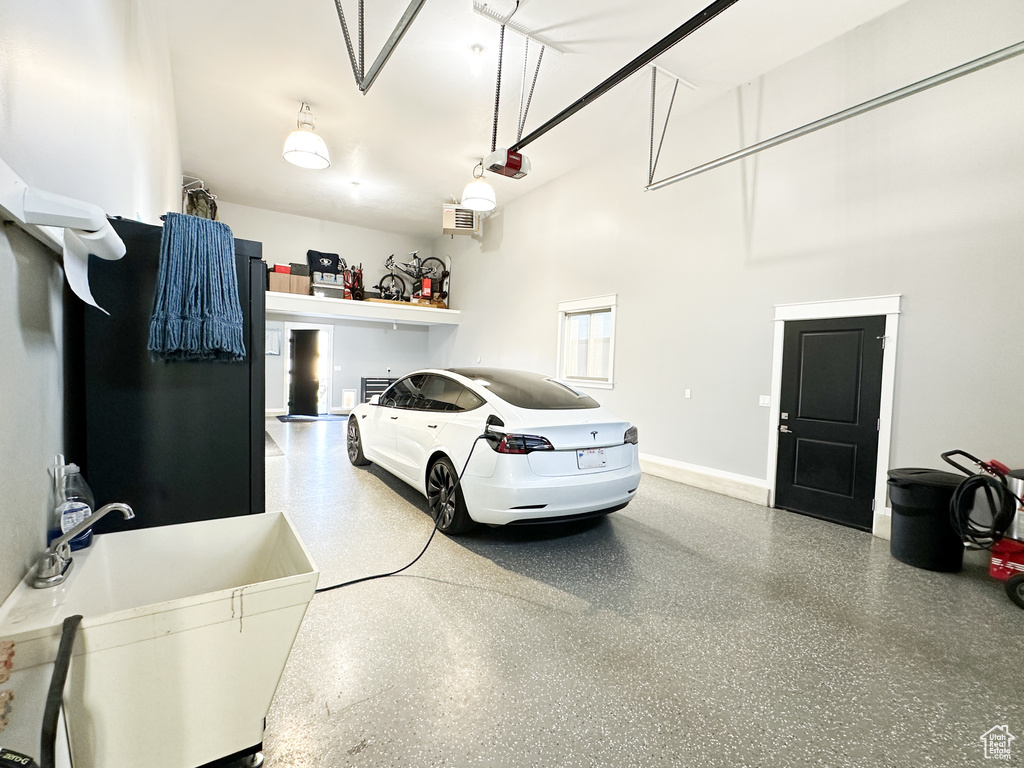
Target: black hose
[
  {"x": 430, "y": 538},
  {"x": 1002, "y": 506},
  {"x": 55, "y": 694}
]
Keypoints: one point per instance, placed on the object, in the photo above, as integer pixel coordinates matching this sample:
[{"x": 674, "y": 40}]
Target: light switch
[
  {"x": 765, "y": 401},
  {"x": 686, "y": 394}
]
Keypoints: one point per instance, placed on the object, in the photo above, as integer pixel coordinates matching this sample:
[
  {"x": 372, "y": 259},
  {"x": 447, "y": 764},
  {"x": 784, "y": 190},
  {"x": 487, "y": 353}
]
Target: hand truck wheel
[{"x": 1015, "y": 589}]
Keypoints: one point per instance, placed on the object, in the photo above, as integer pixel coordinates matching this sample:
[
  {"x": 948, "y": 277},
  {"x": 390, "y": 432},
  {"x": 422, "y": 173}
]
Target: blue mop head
[{"x": 196, "y": 311}]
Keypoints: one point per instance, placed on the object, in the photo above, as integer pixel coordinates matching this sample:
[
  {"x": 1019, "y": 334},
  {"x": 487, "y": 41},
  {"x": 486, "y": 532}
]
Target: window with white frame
[{"x": 586, "y": 346}]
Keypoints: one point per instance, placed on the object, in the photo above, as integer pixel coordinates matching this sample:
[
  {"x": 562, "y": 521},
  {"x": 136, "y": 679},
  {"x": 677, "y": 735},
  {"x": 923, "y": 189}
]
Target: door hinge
[{"x": 872, "y": 505}]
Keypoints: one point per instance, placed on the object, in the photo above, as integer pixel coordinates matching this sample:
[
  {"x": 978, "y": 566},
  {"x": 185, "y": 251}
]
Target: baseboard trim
[
  {"x": 275, "y": 412},
  {"x": 881, "y": 526},
  {"x": 742, "y": 487}
]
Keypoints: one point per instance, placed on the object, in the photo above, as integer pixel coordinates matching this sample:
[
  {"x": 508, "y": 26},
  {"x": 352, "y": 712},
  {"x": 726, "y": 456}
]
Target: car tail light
[
  {"x": 522, "y": 444},
  {"x": 631, "y": 436}
]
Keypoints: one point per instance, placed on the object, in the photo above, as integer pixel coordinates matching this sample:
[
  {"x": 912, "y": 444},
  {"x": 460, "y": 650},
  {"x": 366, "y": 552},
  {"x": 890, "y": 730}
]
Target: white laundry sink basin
[{"x": 185, "y": 635}]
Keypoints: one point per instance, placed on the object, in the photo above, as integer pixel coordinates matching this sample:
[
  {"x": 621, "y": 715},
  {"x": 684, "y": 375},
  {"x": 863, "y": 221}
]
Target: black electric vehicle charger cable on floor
[{"x": 441, "y": 504}]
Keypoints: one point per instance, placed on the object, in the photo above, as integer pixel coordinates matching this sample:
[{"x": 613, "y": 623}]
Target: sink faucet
[{"x": 55, "y": 563}]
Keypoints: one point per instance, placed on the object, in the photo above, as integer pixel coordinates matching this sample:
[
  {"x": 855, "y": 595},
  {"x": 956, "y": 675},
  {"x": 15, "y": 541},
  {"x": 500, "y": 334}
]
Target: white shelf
[{"x": 292, "y": 305}]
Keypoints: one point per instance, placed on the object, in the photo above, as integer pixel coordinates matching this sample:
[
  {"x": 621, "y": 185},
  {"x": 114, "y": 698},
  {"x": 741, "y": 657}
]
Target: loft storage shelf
[{"x": 297, "y": 305}]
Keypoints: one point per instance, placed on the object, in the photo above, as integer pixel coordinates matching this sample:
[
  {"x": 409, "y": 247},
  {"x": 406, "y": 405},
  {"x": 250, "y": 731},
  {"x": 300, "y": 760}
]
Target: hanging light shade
[
  {"x": 478, "y": 194},
  {"x": 303, "y": 147}
]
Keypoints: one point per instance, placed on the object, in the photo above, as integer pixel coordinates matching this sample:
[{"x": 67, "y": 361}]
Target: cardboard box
[
  {"x": 299, "y": 284},
  {"x": 280, "y": 282}
]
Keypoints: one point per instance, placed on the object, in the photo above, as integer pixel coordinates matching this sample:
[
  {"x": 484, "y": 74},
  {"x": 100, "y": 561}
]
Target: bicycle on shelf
[{"x": 392, "y": 286}]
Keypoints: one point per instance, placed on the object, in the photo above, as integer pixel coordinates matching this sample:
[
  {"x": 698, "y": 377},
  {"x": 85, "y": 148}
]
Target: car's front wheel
[
  {"x": 355, "y": 444},
  {"x": 447, "y": 505}
]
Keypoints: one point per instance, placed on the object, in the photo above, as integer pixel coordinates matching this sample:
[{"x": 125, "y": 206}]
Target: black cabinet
[
  {"x": 373, "y": 386},
  {"x": 178, "y": 441}
]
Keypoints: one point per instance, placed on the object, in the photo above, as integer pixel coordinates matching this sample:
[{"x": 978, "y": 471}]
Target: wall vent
[{"x": 459, "y": 221}]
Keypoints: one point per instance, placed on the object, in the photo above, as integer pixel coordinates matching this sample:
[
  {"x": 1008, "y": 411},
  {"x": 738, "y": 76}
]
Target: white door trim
[{"x": 819, "y": 310}]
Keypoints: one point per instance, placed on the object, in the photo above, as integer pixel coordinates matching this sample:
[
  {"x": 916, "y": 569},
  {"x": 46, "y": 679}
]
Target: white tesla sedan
[{"x": 537, "y": 450}]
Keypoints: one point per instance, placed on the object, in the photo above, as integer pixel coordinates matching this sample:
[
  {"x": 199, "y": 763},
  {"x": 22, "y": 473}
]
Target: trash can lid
[{"x": 930, "y": 478}]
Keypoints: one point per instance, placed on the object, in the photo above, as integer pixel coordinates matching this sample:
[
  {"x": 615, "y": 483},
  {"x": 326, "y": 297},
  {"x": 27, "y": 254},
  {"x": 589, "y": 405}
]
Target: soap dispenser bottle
[{"x": 74, "y": 504}]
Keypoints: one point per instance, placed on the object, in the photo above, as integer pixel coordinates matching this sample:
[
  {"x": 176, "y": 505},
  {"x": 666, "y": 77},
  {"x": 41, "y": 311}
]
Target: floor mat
[{"x": 321, "y": 417}]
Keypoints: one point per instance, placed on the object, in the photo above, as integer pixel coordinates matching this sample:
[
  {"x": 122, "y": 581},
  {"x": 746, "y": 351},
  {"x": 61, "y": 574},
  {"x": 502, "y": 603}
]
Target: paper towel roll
[{"x": 78, "y": 244}]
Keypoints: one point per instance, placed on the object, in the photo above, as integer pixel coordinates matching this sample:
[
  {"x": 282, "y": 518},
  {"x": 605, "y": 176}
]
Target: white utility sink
[{"x": 185, "y": 635}]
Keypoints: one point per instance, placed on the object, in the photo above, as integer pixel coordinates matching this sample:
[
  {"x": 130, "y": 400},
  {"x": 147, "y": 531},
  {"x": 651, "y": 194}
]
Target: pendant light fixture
[
  {"x": 303, "y": 147},
  {"x": 478, "y": 194}
]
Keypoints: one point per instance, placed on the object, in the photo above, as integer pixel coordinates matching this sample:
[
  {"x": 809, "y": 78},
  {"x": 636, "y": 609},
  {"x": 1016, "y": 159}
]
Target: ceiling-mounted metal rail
[
  {"x": 483, "y": 9},
  {"x": 645, "y": 58},
  {"x": 364, "y": 81},
  {"x": 389, "y": 47},
  {"x": 880, "y": 101}
]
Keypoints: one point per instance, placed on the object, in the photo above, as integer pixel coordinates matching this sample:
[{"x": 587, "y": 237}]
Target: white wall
[
  {"x": 287, "y": 237},
  {"x": 924, "y": 198},
  {"x": 86, "y": 110},
  {"x": 361, "y": 349}
]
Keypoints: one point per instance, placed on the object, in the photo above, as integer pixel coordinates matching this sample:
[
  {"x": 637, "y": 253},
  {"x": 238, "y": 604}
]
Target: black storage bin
[{"x": 922, "y": 535}]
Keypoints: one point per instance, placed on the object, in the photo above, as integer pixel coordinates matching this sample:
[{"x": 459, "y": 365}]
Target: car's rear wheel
[
  {"x": 447, "y": 505},
  {"x": 355, "y": 444}
]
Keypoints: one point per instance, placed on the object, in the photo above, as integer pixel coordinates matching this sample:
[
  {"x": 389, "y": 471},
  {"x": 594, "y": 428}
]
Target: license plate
[{"x": 591, "y": 459}]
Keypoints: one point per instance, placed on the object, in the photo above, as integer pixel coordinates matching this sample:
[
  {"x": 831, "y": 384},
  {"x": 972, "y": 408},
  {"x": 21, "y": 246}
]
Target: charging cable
[{"x": 437, "y": 519}]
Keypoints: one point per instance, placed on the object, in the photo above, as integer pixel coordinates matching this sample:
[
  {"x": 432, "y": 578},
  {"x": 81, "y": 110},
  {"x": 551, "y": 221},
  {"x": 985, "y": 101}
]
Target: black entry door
[
  {"x": 304, "y": 378},
  {"x": 828, "y": 427}
]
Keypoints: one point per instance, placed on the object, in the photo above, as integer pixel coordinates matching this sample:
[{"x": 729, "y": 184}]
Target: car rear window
[{"x": 528, "y": 390}]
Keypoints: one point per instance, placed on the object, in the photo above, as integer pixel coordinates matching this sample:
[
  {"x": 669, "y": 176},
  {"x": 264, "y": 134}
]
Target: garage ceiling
[{"x": 242, "y": 67}]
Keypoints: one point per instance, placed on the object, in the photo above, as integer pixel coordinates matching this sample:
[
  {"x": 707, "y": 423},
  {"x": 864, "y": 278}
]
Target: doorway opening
[
  {"x": 824, "y": 475},
  {"x": 309, "y": 368}
]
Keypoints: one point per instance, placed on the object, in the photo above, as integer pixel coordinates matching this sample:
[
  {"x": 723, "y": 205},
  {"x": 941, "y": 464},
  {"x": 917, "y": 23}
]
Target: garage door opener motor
[{"x": 996, "y": 494}]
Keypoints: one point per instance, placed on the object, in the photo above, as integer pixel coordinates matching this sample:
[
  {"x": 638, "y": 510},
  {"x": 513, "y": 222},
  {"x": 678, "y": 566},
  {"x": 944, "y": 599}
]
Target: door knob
[{"x": 785, "y": 430}]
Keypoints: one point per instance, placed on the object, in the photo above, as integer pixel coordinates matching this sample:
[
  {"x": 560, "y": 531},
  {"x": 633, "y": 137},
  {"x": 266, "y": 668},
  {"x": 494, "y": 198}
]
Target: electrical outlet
[
  {"x": 686, "y": 394},
  {"x": 765, "y": 401}
]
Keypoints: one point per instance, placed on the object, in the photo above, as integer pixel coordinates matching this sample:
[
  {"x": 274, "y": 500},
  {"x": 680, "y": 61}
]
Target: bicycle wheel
[
  {"x": 432, "y": 267},
  {"x": 391, "y": 287}
]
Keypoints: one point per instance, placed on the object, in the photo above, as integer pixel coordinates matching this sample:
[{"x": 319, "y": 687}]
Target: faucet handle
[
  {"x": 56, "y": 561},
  {"x": 53, "y": 568}
]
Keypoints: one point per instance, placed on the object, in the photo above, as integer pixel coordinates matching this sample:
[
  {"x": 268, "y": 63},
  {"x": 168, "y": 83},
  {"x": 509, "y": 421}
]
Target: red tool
[{"x": 1002, "y": 489}]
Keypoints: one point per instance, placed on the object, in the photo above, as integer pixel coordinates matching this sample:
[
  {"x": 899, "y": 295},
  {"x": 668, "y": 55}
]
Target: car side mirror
[{"x": 375, "y": 400}]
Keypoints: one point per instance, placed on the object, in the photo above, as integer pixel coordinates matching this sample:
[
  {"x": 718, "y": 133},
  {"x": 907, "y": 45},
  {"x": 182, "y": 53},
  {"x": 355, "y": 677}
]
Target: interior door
[
  {"x": 304, "y": 377},
  {"x": 828, "y": 424}
]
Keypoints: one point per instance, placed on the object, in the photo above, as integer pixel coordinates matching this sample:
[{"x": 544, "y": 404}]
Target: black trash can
[{"x": 922, "y": 534}]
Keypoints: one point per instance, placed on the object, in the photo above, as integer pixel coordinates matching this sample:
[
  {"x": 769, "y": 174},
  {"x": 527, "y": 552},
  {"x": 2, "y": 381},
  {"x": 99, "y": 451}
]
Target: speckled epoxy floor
[{"x": 687, "y": 629}]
